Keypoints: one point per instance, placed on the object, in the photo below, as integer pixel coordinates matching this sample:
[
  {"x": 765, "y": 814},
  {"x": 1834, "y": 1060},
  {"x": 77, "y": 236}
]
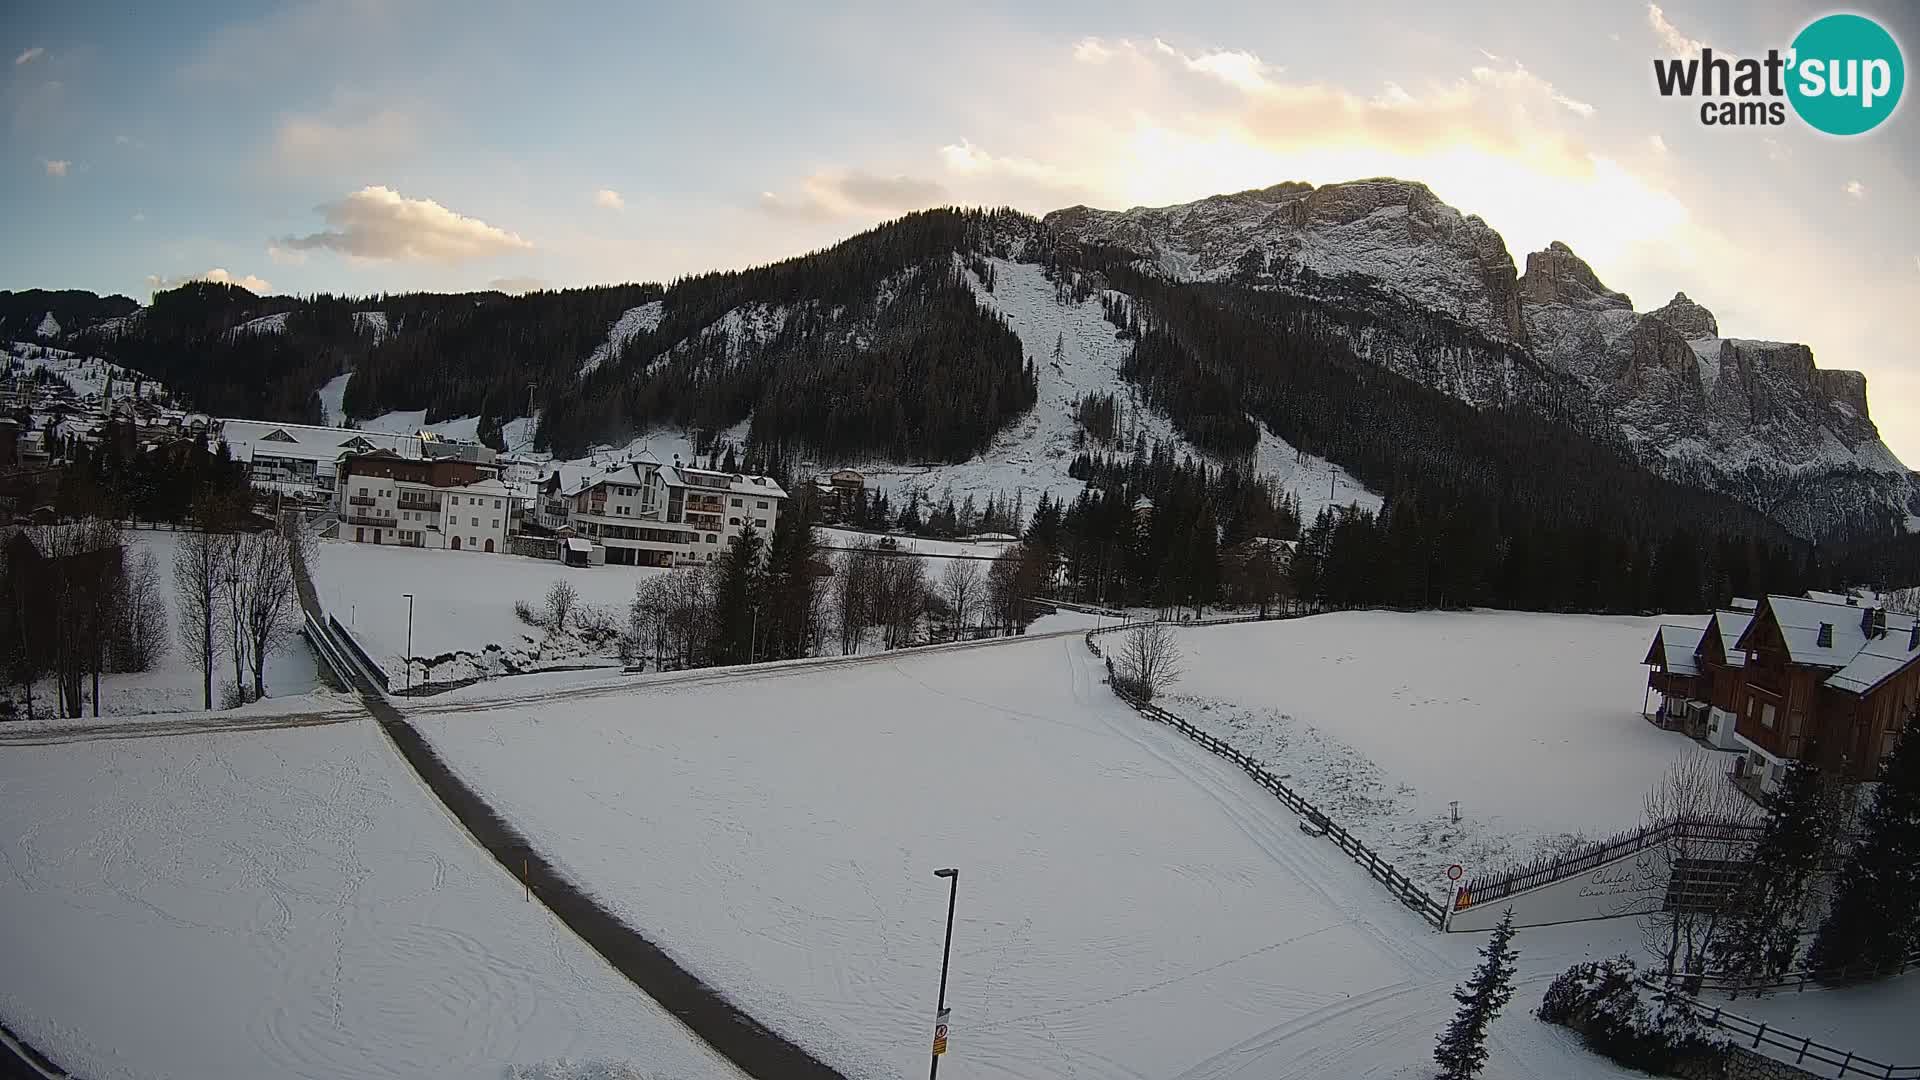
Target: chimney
[
  {"x": 1852, "y": 600},
  {"x": 1913, "y": 637},
  {"x": 1825, "y": 640},
  {"x": 1873, "y": 622}
]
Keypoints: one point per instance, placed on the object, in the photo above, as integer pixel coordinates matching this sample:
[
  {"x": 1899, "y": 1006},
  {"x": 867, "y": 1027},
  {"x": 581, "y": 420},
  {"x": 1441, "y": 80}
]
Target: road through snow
[{"x": 1130, "y": 905}]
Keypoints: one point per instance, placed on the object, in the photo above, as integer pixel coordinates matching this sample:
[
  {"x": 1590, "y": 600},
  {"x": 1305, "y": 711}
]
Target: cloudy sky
[{"x": 360, "y": 146}]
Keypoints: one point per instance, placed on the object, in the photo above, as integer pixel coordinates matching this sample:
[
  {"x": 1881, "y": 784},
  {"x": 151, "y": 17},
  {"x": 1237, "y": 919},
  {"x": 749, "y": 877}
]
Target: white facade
[
  {"x": 300, "y": 460},
  {"x": 473, "y": 517},
  {"x": 649, "y": 514}
]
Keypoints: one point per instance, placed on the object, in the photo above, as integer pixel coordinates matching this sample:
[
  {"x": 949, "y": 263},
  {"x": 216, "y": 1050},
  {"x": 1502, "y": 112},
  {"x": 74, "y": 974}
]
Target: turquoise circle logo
[{"x": 1847, "y": 74}]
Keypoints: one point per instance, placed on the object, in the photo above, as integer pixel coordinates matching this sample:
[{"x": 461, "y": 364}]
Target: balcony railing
[
  {"x": 419, "y": 504},
  {"x": 376, "y": 522},
  {"x": 361, "y": 500}
]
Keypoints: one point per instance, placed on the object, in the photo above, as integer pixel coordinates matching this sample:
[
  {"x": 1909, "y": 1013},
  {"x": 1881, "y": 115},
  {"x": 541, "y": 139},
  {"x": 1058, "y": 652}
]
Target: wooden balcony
[{"x": 361, "y": 500}]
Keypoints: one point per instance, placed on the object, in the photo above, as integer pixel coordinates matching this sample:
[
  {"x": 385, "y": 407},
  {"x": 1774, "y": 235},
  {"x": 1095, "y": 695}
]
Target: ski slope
[
  {"x": 1032, "y": 454},
  {"x": 1532, "y": 722},
  {"x": 289, "y": 904},
  {"x": 1128, "y": 906}
]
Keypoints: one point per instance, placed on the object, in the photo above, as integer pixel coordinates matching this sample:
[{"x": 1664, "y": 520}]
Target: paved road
[{"x": 750, "y": 1045}]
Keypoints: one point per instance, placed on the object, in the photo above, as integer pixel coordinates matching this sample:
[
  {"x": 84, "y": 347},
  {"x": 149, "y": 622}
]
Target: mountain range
[{"x": 1268, "y": 327}]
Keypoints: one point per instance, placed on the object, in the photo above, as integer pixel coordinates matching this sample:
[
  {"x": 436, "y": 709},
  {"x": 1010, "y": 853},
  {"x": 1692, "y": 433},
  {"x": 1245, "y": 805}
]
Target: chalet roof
[
  {"x": 1741, "y": 603},
  {"x": 1880, "y": 658},
  {"x": 308, "y": 441},
  {"x": 1730, "y": 625},
  {"x": 1800, "y": 621},
  {"x": 1675, "y": 646}
]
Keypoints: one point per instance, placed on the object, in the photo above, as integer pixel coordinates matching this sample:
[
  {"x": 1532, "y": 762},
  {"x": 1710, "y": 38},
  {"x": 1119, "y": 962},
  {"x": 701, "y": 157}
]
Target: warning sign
[{"x": 940, "y": 1033}]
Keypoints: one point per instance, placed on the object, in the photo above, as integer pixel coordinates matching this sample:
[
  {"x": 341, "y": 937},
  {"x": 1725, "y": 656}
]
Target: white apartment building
[
  {"x": 648, "y": 514},
  {"x": 300, "y": 460},
  {"x": 456, "y": 505}
]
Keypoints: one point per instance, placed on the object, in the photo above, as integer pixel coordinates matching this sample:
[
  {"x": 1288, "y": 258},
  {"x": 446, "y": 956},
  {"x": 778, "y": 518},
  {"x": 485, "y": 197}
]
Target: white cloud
[
  {"x": 352, "y": 136},
  {"x": 1091, "y": 51},
  {"x": 1856, "y": 189},
  {"x": 57, "y": 168},
  {"x": 515, "y": 286},
  {"x": 1670, "y": 37},
  {"x": 1659, "y": 144},
  {"x": 280, "y": 256},
  {"x": 609, "y": 199},
  {"x": 139, "y": 216},
  {"x": 218, "y": 274},
  {"x": 29, "y": 56},
  {"x": 380, "y": 223},
  {"x": 841, "y": 193}
]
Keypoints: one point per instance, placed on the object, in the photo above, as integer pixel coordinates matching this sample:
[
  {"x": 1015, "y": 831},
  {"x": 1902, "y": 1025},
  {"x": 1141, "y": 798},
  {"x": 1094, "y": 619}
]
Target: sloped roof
[
  {"x": 1676, "y": 645},
  {"x": 1800, "y": 622},
  {"x": 1732, "y": 624},
  {"x": 1881, "y": 658},
  {"x": 308, "y": 441}
]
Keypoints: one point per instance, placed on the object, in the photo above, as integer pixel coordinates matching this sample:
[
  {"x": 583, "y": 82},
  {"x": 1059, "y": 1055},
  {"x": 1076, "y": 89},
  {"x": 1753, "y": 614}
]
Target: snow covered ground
[
  {"x": 289, "y": 903},
  {"x": 174, "y": 685},
  {"x": 87, "y": 375},
  {"x": 1031, "y": 456},
  {"x": 1381, "y": 719},
  {"x": 1129, "y": 905},
  {"x": 463, "y": 603},
  {"x": 333, "y": 394}
]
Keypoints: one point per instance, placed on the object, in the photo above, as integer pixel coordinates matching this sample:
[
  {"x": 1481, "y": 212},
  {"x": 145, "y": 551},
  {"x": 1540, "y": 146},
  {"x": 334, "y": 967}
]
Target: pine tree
[
  {"x": 1765, "y": 917},
  {"x": 736, "y": 599},
  {"x": 1462, "y": 1050},
  {"x": 1875, "y": 919}
]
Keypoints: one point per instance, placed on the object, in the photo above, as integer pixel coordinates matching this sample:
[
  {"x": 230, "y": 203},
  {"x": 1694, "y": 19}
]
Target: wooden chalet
[{"x": 1838, "y": 679}]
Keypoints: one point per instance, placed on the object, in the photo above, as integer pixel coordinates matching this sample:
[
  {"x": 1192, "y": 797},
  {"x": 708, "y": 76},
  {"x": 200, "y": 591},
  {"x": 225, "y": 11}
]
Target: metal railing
[
  {"x": 1398, "y": 884},
  {"x": 1803, "y": 1048},
  {"x": 361, "y": 500},
  {"x": 376, "y": 522}
]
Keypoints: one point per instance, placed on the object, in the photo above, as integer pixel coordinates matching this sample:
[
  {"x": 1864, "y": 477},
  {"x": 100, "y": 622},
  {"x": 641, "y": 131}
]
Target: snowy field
[
  {"x": 288, "y": 904},
  {"x": 463, "y": 603},
  {"x": 174, "y": 685},
  {"x": 1129, "y": 906},
  {"x": 1382, "y": 719}
]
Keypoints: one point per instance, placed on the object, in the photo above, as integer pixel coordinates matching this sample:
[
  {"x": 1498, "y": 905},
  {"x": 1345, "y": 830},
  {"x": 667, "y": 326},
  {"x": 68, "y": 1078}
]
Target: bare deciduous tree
[
  {"x": 1699, "y": 799},
  {"x": 1149, "y": 660},
  {"x": 198, "y": 570},
  {"x": 142, "y": 638},
  {"x": 268, "y": 607},
  {"x": 854, "y": 585},
  {"x": 960, "y": 585},
  {"x": 562, "y": 598}
]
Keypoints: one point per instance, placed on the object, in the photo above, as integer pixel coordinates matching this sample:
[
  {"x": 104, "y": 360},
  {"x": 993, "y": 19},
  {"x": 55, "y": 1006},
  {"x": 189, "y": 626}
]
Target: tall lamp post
[
  {"x": 409, "y": 597},
  {"x": 940, "y": 1018}
]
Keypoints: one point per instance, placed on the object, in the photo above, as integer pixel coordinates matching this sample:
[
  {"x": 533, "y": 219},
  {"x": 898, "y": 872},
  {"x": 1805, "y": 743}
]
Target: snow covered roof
[
  {"x": 1741, "y": 603},
  {"x": 1878, "y": 660},
  {"x": 308, "y": 441},
  {"x": 575, "y": 543},
  {"x": 764, "y": 487},
  {"x": 1732, "y": 624},
  {"x": 1676, "y": 645},
  {"x": 1801, "y": 622}
]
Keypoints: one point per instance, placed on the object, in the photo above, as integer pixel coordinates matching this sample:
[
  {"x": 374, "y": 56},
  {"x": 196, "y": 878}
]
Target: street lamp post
[
  {"x": 409, "y": 597},
  {"x": 940, "y": 1017}
]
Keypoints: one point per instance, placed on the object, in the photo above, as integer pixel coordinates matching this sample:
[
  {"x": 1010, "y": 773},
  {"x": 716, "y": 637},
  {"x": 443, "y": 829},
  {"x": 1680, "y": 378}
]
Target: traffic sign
[
  {"x": 940, "y": 1033},
  {"x": 1455, "y": 872}
]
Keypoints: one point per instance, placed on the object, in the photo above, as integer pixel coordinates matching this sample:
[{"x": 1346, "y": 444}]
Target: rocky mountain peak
[
  {"x": 1557, "y": 276},
  {"x": 1688, "y": 319}
]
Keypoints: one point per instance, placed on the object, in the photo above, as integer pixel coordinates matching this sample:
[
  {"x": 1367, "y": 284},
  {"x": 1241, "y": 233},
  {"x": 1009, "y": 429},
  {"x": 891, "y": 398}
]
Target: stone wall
[{"x": 1741, "y": 1063}]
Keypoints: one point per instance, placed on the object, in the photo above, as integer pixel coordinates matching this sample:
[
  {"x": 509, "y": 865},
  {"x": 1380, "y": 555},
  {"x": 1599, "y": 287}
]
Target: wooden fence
[
  {"x": 1382, "y": 871},
  {"x": 1487, "y": 889},
  {"x": 1799, "y": 979},
  {"x": 1805, "y": 1051}
]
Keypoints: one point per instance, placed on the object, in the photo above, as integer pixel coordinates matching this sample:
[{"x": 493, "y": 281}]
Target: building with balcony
[
  {"x": 644, "y": 513},
  {"x": 1839, "y": 679},
  {"x": 451, "y": 503},
  {"x": 301, "y": 461}
]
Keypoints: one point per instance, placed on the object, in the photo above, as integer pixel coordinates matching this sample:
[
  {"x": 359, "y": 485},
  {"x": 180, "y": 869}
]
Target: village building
[
  {"x": 300, "y": 460},
  {"x": 1831, "y": 675},
  {"x": 643, "y": 513},
  {"x": 446, "y": 502}
]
